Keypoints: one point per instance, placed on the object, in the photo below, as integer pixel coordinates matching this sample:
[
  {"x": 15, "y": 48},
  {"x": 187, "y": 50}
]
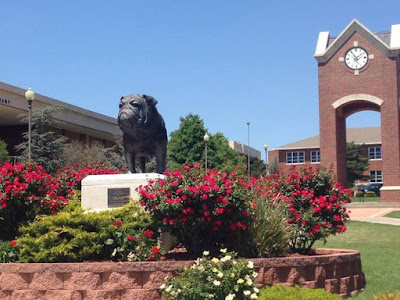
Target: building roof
[{"x": 358, "y": 135}]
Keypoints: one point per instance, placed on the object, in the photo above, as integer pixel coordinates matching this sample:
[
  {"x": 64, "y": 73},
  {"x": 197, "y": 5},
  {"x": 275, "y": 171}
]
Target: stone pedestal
[{"x": 101, "y": 192}]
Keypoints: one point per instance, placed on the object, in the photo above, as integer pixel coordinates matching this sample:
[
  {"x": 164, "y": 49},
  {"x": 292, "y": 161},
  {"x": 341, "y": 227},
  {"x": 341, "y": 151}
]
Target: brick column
[{"x": 333, "y": 140}]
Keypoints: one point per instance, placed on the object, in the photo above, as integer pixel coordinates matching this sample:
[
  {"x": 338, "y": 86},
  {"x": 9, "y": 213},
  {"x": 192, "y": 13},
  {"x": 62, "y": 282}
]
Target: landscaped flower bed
[
  {"x": 338, "y": 271},
  {"x": 279, "y": 217}
]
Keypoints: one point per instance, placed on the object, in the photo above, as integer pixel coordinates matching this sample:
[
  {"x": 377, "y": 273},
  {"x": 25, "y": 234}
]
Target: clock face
[{"x": 356, "y": 58}]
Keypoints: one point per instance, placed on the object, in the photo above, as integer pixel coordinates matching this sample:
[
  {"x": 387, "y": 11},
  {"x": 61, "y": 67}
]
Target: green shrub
[
  {"x": 388, "y": 296},
  {"x": 369, "y": 194},
  {"x": 74, "y": 235},
  {"x": 270, "y": 230},
  {"x": 7, "y": 251},
  {"x": 280, "y": 292},
  {"x": 359, "y": 194},
  {"x": 4, "y": 157},
  {"x": 217, "y": 278}
]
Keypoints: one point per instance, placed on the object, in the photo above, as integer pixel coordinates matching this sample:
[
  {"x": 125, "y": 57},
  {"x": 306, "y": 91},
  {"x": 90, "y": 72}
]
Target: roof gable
[{"x": 327, "y": 47}]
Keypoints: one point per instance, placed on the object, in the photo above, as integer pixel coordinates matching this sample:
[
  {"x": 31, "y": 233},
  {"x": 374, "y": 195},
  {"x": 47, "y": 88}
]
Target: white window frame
[
  {"x": 375, "y": 177},
  {"x": 295, "y": 157},
  {"x": 372, "y": 153},
  {"x": 317, "y": 155}
]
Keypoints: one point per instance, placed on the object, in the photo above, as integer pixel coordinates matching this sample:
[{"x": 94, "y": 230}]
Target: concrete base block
[{"x": 102, "y": 192}]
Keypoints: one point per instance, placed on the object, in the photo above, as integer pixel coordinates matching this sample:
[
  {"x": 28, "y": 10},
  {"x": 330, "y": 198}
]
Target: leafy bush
[
  {"x": 270, "y": 231},
  {"x": 25, "y": 191},
  {"x": 7, "y": 251},
  {"x": 314, "y": 201},
  {"x": 217, "y": 278},
  {"x": 73, "y": 235},
  {"x": 132, "y": 244},
  {"x": 203, "y": 211},
  {"x": 71, "y": 177},
  {"x": 4, "y": 157},
  {"x": 280, "y": 292},
  {"x": 388, "y": 296}
]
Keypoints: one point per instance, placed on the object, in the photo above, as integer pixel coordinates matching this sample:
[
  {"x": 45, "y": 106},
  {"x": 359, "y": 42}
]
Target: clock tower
[{"x": 359, "y": 70}]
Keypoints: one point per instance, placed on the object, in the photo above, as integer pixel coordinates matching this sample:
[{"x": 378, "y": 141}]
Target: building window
[
  {"x": 376, "y": 176},
  {"x": 315, "y": 156},
  {"x": 296, "y": 157},
  {"x": 375, "y": 152}
]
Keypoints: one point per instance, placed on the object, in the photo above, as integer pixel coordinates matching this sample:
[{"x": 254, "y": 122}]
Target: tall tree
[
  {"x": 47, "y": 148},
  {"x": 4, "y": 157},
  {"x": 186, "y": 145},
  {"x": 357, "y": 163}
]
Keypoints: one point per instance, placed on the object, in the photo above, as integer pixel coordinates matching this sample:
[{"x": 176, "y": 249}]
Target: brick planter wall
[{"x": 338, "y": 271}]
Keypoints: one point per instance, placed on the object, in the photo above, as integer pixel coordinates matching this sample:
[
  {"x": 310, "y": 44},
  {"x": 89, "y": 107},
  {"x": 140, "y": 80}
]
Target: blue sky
[{"x": 230, "y": 61}]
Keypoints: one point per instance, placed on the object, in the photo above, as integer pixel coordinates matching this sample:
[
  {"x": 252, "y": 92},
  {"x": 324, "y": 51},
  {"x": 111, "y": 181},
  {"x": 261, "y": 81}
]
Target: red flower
[
  {"x": 117, "y": 223},
  {"x": 131, "y": 237},
  {"x": 13, "y": 243},
  {"x": 155, "y": 250},
  {"x": 148, "y": 233}
]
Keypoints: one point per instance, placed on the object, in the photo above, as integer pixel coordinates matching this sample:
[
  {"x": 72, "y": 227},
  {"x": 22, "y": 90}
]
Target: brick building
[
  {"x": 75, "y": 123},
  {"x": 359, "y": 70},
  {"x": 305, "y": 153}
]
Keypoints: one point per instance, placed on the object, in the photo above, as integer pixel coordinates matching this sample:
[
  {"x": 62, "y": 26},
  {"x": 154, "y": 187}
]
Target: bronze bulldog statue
[{"x": 144, "y": 133}]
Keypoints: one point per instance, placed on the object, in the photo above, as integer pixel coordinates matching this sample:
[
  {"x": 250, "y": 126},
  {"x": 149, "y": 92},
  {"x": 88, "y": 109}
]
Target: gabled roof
[
  {"x": 387, "y": 42},
  {"x": 359, "y": 135}
]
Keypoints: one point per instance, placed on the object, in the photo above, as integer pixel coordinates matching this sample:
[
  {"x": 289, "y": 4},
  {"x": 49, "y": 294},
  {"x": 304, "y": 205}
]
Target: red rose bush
[
  {"x": 314, "y": 202},
  {"x": 203, "y": 210}
]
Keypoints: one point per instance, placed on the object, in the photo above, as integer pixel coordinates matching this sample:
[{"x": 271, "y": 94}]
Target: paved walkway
[{"x": 373, "y": 212}]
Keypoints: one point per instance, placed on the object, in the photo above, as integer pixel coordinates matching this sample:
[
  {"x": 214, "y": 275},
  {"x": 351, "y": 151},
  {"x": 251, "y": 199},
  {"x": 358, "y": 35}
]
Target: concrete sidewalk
[{"x": 373, "y": 212}]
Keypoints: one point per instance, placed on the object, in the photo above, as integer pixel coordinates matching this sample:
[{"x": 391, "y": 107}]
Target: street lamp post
[
  {"x": 29, "y": 96},
  {"x": 248, "y": 149},
  {"x": 206, "y": 139},
  {"x": 266, "y": 159}
]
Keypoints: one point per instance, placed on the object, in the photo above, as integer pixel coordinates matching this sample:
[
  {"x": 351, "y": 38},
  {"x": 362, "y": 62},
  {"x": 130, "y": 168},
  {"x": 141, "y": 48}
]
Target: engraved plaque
[{"x": 118, "y": 197}]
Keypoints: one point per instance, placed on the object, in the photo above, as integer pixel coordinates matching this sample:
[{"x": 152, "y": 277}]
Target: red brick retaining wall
[{"x": 338, "y": 271}]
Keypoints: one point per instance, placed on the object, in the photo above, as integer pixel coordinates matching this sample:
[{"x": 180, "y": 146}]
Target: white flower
[
  {"x": 255, "y": 274},
  {"x": 215, "y": 260},
  {"x": 220, "y": 274},
  {"x": 256, "y": 290},
  {"x": 206, "y": 253},
  {"x": 253, "y": 296},
  {"x": 240, "y": 281},
  {"x": 215, "y": 270},
  {"x": 236, "y": 288},
  {"x": 223, "y": 250},
  {"x": 217, "y": 282},
  {"x": 246, "y": 292},
  {"x": 249, "y": 282},
  {"x": 230, "y": 297},
  {"x": 162, "y": 286},
  {"x": 169, "y": 288},
  {"x": 250, "y": 265},
  {"x": 226, "y": 258}
]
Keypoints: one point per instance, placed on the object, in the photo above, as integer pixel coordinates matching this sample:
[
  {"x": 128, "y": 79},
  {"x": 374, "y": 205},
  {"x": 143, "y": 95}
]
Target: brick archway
[
  {"x": 343, "y": 108},
  {"x": 344, "y": 90}
]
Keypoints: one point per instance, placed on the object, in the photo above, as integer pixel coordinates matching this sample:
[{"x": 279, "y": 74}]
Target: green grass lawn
[
  {"x": 380, "y": 254},
  {"x": 365, "y": 199},
  {"x": 394, "y": 214}
]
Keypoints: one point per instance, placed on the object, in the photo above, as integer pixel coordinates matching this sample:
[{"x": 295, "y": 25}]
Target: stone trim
[
  {"x": 338, "y": 271},
  {"x": 357, "y": 97}
]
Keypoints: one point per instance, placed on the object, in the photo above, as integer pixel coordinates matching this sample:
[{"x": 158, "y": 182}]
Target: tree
[
  {"x": 186, "y": 145},
  {"x": 357, "y": 163},
  {"x": 47, "y": 149},
  {"x": 4, "y": 157},
  {"x": 257, "y": 167}
]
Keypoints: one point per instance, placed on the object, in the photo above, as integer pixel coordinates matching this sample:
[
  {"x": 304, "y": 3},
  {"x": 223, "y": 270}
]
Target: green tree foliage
[
  {"x": 257, "y": 167},
  {"x": 221, "y": 156},
  {"x": 357, "y": 163},
  {"x": 186, "y": 145},
  {"x": 4, "y": 157},
  {"x": 47, "y": 149}
]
